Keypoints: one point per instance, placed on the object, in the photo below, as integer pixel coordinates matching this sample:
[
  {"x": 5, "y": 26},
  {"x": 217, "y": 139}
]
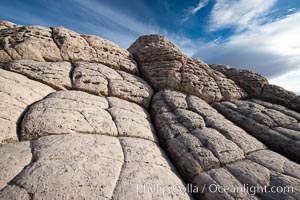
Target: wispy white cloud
[
  {"x": 240, "y": 14},
  {"x": 271, "y": 49},
  {"x": 116, "y": 25},
  {"x": 290, "y": 10},
  {"x": 199, "y": 6},
  {"x": 193, "y": 10},
  {"x": 290, "y": 81}
]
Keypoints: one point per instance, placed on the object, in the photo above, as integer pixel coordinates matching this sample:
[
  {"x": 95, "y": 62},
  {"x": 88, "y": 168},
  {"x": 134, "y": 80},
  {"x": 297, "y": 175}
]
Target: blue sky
[{"x": 260, "y": 35}]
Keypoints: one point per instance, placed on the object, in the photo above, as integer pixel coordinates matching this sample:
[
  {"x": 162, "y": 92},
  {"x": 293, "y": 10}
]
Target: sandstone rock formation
[
  {"x": 16, "y": 92},
  {"x": 164, "y": 65},
  {"x": 257, "y": 86},
  {"x": 79, "y": 120}
]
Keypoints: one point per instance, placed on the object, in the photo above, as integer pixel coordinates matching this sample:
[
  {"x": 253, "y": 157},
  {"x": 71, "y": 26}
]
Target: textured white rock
[
  {"x": 101, "y": 80},
  {"x": 16, "y": 93},
  {"x": 13, "y": 158},
  {"x": 54, "y": 74}
]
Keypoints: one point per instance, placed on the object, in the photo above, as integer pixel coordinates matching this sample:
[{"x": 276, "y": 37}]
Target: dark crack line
[
  {"x": 121, "y": 171},
  {"x": 57, "y": 45}
]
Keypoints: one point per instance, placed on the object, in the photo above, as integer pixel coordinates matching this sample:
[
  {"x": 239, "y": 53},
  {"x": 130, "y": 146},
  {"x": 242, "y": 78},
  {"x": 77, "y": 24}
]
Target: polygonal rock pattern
[
  {"x": 112, "y": 55},
  {"x": 16, "y": 93},
  {"x": 210, "y": 151},
  {"x": 74, "y": 111},
  {"x": 31, "y": 42},
  {"x": 251, "y": 82},
  {"x": 54, "y": 74},
  {"x": 277, "y": 94},
  {"x": 252, "y": 178},
  {"x": 60, "y": 44},
  {"x": 13, "y": 158},
  {"x": 100, "y": 143},
  {"x": 274, "y": 125},
  {"x": 189, "y": 128},
  {"x": 72, "y": 166},
  {"x": 90, "y": 77},
  {"x": 67, "y": 112},
  {"x": 163, "y": 65},
  {"x": 94, "y": 164},
  {"x": 144, "y": 169},
  {"x": 102, "y": 80},
  {"x": 75, "y": 47},
  {"x": 257, "y": 86}
]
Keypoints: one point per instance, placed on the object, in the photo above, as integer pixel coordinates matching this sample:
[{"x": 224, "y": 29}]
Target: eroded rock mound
[
  {"x": 207, "y": 149},
  {"x": 258, "y": 86},
  {"x": 90, "y": 126},
  {"x": 164, "y": 65},
  {"x": 276, "y": 126},
  {"x": 60, "y": 44}
]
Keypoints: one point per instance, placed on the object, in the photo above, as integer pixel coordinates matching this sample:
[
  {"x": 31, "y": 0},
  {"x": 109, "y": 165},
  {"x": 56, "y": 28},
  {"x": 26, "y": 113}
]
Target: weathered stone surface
[
  {"x": 100, "y": 143},
  {"x": 54, "y": 74},
  {"x": 131, "y": 120},
  {"x": 6, "y": 24},
  {"x": 194, "y": 134},
  {"x": 13, "y": 158},
  {"x": 295, "y": 104},
  {"x": 257, "y": 86},
  {"x": 16, "y": 93},
  {"x": 31, "y": 43},
  {"x": 146, "y": 169},
  {"x": 72, "y": 166},
  {"x": 60, "y": 44},
  {"x": 275, "y": 162},
  {"x": 250, "y": 179},
  {"x": 72, "y": 46},
  {"x": 68, "y": 112},
  {"x": 215, "y": 184},
  {"x": 210, "y": 151},
  {"x": 93, "y": 78},
  {"x": 111, "y": 54},
  {"x": 74, "y": 111},
  {"x": 102, "y": 80},
  {"x": 269, "y": 123},
  {"x": 251, "y": 82},
  {"x": 277, "y": 94},
  {"x": 164, "y": 65},
  {"x": 95, "y": 167},
  {"x": 75, "y": 47},
  {"x": 219, "y": 68},
  {"x": 13, "y": 192}
]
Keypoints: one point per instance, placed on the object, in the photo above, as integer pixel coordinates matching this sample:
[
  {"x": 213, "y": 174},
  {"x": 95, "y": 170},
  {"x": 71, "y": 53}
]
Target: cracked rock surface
[
  {"x": 14, "y": 157},
  {"x": 16, "y": 93},
  {"x": 274, "y": 125},
  {"x": 82, "y": 118},
  {"x": 257, "y": 86},
  {"x": 209, "y": 150},
  {"x": 164, "y": 65}
]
